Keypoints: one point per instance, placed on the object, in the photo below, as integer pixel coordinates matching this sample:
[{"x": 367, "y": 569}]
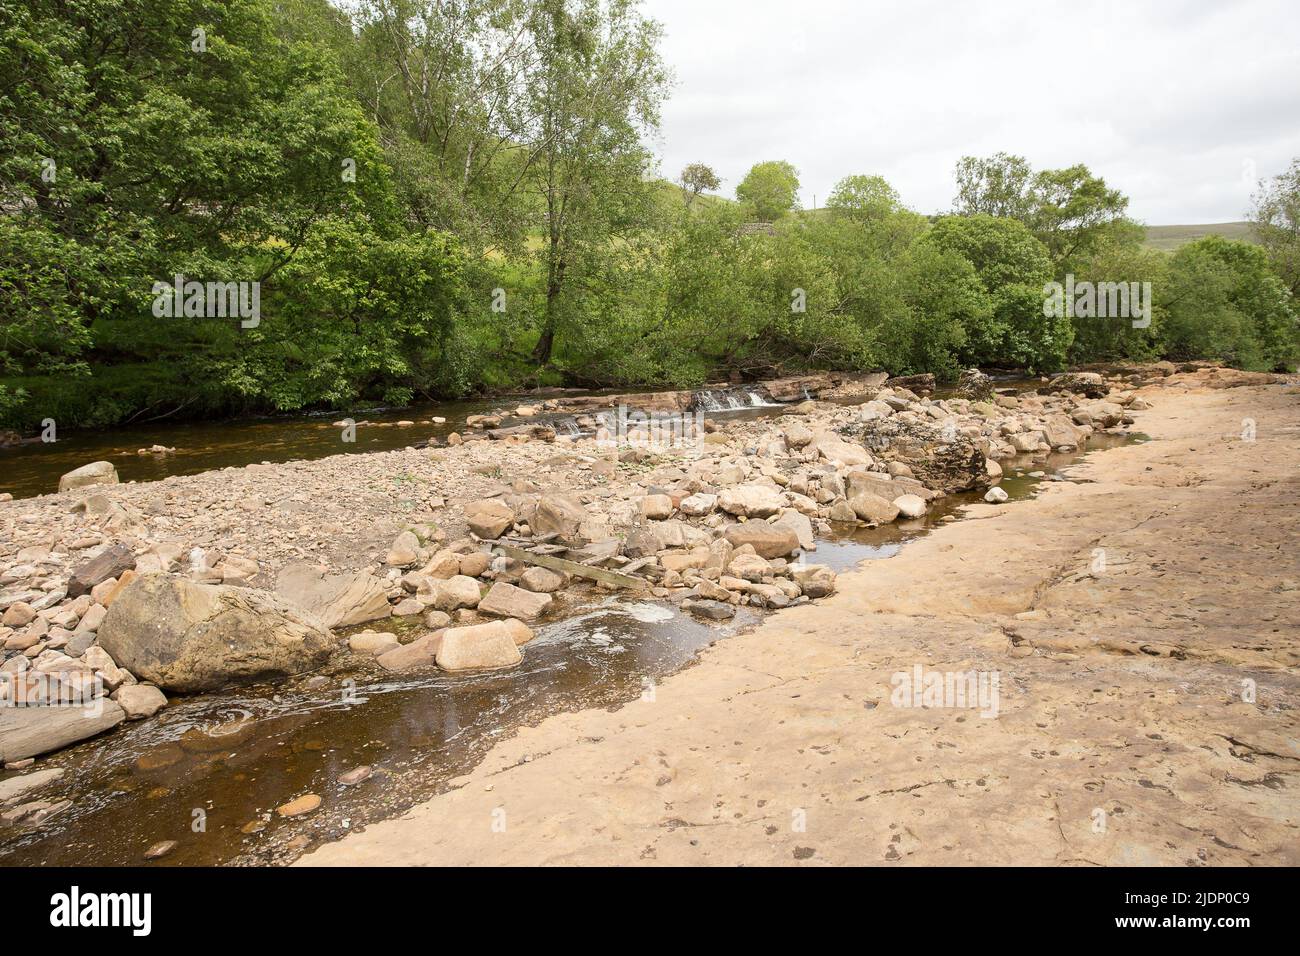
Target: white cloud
[{"x": 1172, "y": 102}]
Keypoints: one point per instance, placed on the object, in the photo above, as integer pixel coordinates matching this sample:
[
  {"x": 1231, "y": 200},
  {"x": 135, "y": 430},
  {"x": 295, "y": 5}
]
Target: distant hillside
[{"x": 1171, "y": 237}]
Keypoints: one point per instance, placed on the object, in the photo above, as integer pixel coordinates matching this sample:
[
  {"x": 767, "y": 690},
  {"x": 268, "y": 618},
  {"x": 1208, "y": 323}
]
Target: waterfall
[{"x": 707, "y": 401}]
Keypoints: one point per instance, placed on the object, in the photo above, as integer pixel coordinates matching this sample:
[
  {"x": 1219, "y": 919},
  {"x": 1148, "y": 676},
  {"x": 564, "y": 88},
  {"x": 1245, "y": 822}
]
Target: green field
[{"x": 1171, "y": 237}]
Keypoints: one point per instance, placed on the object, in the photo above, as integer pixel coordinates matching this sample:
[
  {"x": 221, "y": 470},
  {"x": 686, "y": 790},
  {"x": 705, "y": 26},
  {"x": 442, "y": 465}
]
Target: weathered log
[{"x": 601, "y": 575}]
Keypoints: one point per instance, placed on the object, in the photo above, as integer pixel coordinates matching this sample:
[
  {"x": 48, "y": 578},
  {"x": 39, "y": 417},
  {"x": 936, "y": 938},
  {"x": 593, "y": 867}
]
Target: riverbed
[{"x": 210, "y": 771}]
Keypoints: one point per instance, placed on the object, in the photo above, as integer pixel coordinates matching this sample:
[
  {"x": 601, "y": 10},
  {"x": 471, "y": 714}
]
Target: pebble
[
  {"x": 160, "y": 849},
  {"x": 354, "y": 776},
  {"x": 296, "y": 808}
]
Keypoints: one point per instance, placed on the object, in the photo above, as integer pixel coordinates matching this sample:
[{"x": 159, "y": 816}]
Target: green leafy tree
[
  {"x": 1068, "y": 210},
  {"x": 1114, "y": 338},
  {"x": 1013, "y": 267},
  {"x": 1071, "y": 210},
  {"x": 695, "y": 178},
  {"x": 994, "y": 186},
  {"x": 1276, "y": 215},
  {"x": 864, "y": 197},
  {"x": 594, "y": 89},
  {"x": 1003, "y": 251},
  {"x": 1225, "y": 302},
  {"x": 146, "y": 138},
  {"x": 769, "y": 190}
]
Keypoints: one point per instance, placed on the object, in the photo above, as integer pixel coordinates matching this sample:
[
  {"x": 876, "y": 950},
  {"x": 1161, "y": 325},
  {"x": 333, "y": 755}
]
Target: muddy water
[
  {"x": 208, "y": 772},
  {"x": 34, "y": 467},
  {"x": 224, "y": 762}
]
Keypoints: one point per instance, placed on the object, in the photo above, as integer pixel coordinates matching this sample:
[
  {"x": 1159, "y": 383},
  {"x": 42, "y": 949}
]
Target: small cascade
[
  {"x": 567, "y": 426},
  {"x": 707, "y": 401},
  {"x": 729, "y": 400}
]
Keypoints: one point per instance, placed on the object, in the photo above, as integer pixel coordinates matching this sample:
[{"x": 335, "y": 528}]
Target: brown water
[
  {"x": 152, "y": 780},
  {"x": 34, "y": 467}
]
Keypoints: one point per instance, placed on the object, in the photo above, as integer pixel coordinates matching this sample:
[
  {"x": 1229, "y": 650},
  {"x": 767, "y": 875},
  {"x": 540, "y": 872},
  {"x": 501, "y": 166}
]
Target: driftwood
[{"x": 612, "y": 578}]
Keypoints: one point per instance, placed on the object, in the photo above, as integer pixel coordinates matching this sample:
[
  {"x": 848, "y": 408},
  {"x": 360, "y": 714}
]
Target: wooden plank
[
  {"x": 651, "y": 562},
  {"x": 573, "y": 567}
]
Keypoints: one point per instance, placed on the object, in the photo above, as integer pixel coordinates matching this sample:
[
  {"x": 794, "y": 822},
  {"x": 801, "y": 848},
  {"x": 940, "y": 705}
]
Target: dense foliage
[{"x": 436, "y": 198}]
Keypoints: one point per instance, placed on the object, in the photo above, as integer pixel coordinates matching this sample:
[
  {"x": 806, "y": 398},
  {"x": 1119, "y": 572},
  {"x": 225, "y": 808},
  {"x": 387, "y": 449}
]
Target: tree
[
  {"x": 996, "y": 186},
  {"x": 1276, "y": 215},
  {"x": 594, "y": 87},
  {"x": 1068, "y": 210},
  {"x": 1226, "y": 303},
  {"x": 1071, "y": 209},
  {"x": 864, "y": 197},
  {"x": 445, "y": 84},
  {"x": 1013, "y": 267},
  {"x": 696, "y": 178},
  {"x": 1003, "y": 251},
  {"x": 147, "y": 138},
  {"x": 769, "y": 190}
]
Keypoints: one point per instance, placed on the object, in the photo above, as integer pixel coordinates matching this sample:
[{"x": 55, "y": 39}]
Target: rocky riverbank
[
  {"x": 1142, "y": 617},
  {"x": 115, "y": 595}
]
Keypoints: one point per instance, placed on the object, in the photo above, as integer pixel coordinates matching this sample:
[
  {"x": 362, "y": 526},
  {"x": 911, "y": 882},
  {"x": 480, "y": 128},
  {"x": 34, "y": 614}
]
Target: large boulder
[
  {"x": 975, "y": 385},
  {"x": 769, "y": 541},
  {"x": 489, "y": 518},
  {"x": 405, "y": 550},
  {"x": 800, "y": 524},
  {"x": 336, "y": 600},
  {"x": 96, "y": 473},
  {"x": 834, "y": 448},
  {"x": 878, "y": 483},
  {"x": 506, "y": 600},
  {"x": 541, "y": 580},
  {"x": 489, "y": 646},
  {"x": 562, "y": 515},
  {"x": 1104, "y": 414},
  {"x": 647, "y": 539},
  {"x": 872, "y": 508},
  {"x": 1061, "y": 432},
  {"x": 455, "y": 592},
  {"x": 1083, "y": 383},
  {"x": 191, "y": 637},
  {"x": 750, "y": 501},
  {"x": 421, "y": 652},
  {"x": 815, "y": 580},
  {"x": 937, "y": 457},
  {"x": 910, "y": 506}
]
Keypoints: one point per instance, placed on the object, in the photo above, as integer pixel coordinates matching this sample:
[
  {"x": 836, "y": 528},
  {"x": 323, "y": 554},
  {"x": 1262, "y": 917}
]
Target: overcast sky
[{"x": 1182, "y": 104}]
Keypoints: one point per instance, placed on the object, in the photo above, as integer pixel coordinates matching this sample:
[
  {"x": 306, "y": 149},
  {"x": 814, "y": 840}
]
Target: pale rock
[
  {"x": 541, "y": 580},
  {"x": 910, "y": 506},
  {"x": 140, "y": 700},
  {"x": 489, "y": 646},
  {"x": 96, "y": 473}
]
